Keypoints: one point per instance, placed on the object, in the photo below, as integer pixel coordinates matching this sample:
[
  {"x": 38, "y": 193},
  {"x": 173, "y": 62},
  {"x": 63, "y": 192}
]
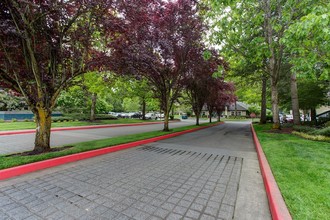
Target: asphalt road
[
  {"x": 208, "y": 174},
  {"x": 25, "y": 142}
]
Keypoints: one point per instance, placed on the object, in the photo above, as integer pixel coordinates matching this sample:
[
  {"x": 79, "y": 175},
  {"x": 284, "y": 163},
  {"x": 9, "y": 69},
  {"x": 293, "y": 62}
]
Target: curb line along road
[
  {"x": 29, "y": 131},
  {"x": 278, "y": 208},
  {"x": 28, "y": 168}
]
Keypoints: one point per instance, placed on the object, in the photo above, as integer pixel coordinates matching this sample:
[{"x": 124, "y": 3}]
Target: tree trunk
[
  {"x": 43, "y": 122},
  {"x": 263, "y": 117},
  {"x": 143, "y": 109},
  {"x": 210, "y": 116},
  {"x": 313, "y": 115},
  {"x": 166, "y": 120},
  {"x": 295, "y": 100},
  {"x": 219, "y": 116},
  {"x": 93, "y": 106},
  {"x": 275, "y": 108},
  {"x": 197, "y": 119}
]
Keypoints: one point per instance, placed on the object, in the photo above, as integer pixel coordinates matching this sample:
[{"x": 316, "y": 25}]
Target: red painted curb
[
  {"x": 28, "y": 168},
  {"x": 29, "y": 131},
  {"x": 278, "y": 208}
]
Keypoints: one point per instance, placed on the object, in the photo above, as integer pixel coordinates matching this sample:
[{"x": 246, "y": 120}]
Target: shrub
[
  {"x": 60, "y": 119},
  {"x": 13, "y": 120},
  {"x": 104, "y": 117},
  {"x": 287, "y": 125},
  {"x": 312, "y": 137},
  {"x": 26, "y": 120},
  {"x": 2, "y": 120},
  {"x": 305, "y": 129},
  {"x": 324, "y": 132},
  {"x": 327, "y": 124},
  {"x": 269, "y": 118}
]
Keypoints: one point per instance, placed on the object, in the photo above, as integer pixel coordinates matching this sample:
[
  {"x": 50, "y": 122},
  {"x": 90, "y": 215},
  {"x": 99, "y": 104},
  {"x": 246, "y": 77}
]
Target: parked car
[
  {"x": 159, "y": 115},
  {"x": 134, "y": 115},
  {"x": 288, "y": 118},
  {"x": 150, "y": 115}
]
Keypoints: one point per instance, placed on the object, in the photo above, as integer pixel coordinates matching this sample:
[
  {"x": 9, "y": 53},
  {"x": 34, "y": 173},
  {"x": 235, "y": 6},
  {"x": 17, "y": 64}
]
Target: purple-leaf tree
[
  {"x": 200, "y": 78},
  {"x": 220, "y": 95},
  {"x": 158, "y": 41},
  {"x": 44, "y": 45}
]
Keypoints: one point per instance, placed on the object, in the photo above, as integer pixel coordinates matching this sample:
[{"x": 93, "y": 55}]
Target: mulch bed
[
  {"x": 30, "y": 153},
  {"x": 281, "y": 131}
]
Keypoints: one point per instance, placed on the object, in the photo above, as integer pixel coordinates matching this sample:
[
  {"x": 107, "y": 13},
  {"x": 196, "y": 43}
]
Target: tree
[
  {"x": 263, "y": 33},
  {"x": 226, "y": 96},
  {"x": 242, "y": 44},
  {"x": 220, "y": 94},
  {"x": 201, "y": 73},
  {"x": 95, "y": 84},
  {"x": 307, "y": 41},
  {"x": 45, "y": 45},
  {"x": 157, "y": 42}
]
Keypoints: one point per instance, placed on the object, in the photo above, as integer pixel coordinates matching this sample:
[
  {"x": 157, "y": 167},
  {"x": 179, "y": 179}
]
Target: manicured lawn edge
[
  {"x": 28, "y": 131},
  {"x": 31, "y": 167},
  {"x": 278, "y": 208}
]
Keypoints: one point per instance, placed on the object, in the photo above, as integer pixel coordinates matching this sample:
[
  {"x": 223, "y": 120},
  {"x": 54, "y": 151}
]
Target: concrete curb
[
  {"x": 28, "y": 168},
  {"x": 29, "y": 131},
  {"x": 278, "y": 208}
]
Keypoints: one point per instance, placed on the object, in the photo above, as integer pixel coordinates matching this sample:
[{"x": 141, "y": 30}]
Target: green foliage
[
  {"x": 13, "y": 120},
  {"x": 131, "y": 104},
  {"x": 327, "y": 124},
  {"x": 301, "y": 169},
  {"x": 9, "y": 102},
  {"x": 312, "y": 137},
  {"x": 2, "y": 120},
  {"x": 61, "y": 119},
  {"x": 305, "y": 129},
  {"x": 254, "y": 109},
  {"x": 82, "y": 117},
  {"x": 324, "y": 131},
  {"x": 308, "y": 42}
]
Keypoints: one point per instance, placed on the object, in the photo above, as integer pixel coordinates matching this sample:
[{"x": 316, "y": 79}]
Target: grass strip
[
  {"x": 302, "y": 171},
  {"x": 7, "y": 161},
  {"x": 21, "y": 125}
]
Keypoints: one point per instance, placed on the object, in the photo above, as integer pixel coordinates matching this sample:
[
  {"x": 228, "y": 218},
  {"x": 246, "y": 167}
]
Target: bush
[
  {"x": 2, "y": 120},
  {"x": 304, "y": 129},
  {"x": 312, "y": 137},
  {"x": 82, "y": 117},
  {"x": 13, "y": 120},
  {"x": 327, "y": 124},
  {"x": 104, "y": 117},
  {"x": 61, "y": 119},
  {"x": 269, "y": 118},
  {"x": 324, "y": 132},
  {"x": 27, "y": 120}
]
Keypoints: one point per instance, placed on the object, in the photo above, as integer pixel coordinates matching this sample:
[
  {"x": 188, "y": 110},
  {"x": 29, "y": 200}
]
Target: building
[{"x": 237, "y": 109}]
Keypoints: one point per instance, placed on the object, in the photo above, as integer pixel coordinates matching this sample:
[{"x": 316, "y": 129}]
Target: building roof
[{"x": 239, "y": 105}]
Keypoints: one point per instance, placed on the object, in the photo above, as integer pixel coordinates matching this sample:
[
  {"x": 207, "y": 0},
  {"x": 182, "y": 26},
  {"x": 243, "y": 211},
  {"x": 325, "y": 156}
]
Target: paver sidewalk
[{"x": 164, "y": 180}]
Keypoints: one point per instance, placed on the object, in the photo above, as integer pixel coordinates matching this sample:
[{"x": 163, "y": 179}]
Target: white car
[{"x": 151, "y": 115}]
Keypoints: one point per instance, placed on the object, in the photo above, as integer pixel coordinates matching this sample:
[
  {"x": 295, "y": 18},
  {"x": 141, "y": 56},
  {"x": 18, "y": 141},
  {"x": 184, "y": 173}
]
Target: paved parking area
[
  {"x": 209, "y": 174},
  {"x": 143, "y": 183}
]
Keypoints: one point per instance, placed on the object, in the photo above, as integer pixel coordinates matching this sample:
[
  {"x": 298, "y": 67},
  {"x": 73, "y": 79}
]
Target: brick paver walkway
[{"x": 149, "y": 182}]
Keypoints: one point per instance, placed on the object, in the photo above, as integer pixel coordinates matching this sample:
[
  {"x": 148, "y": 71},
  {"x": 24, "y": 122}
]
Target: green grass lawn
[
  {"x": 302, "y": 170},
  {"x": 11, "y": 161},
  {"x": 8, "y": 126}
]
